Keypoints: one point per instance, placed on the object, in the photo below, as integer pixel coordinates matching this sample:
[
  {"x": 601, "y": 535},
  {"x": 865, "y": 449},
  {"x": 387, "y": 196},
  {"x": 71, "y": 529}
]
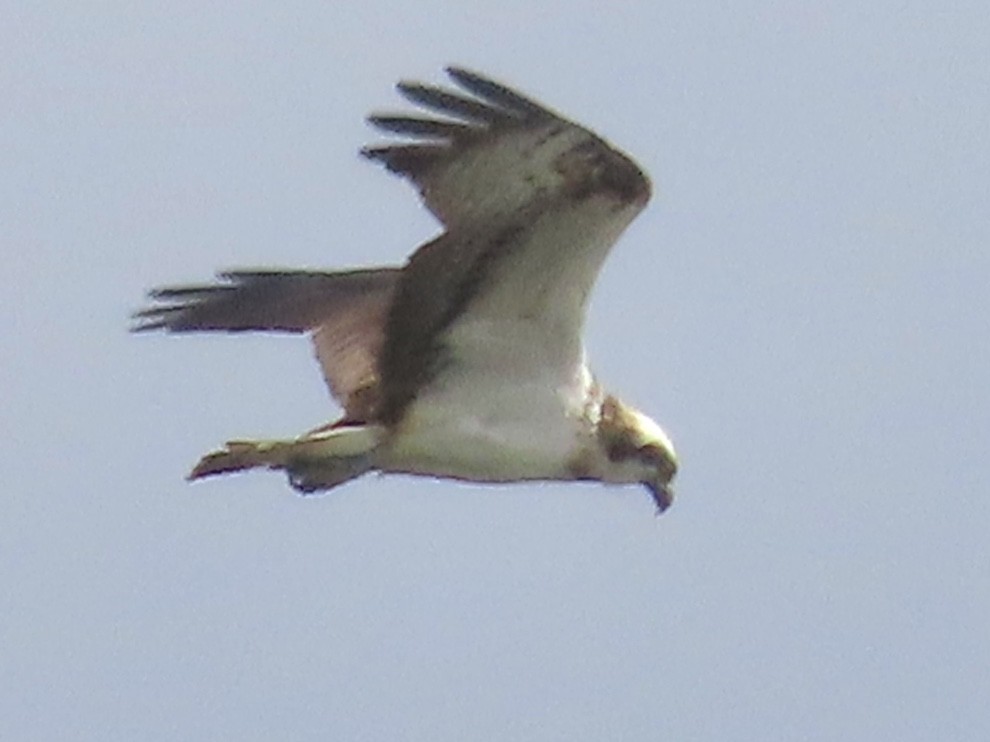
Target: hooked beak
[{"x": 663, "y": 495}]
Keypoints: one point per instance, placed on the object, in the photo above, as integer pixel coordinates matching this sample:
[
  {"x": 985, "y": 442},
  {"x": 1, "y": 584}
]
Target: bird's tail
[
  {"x": 273, "y": 300},
  {"x": 318, "y": 460}
]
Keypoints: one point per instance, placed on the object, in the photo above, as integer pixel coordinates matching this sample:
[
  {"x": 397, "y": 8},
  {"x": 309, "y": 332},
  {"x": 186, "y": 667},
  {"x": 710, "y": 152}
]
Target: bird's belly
[{"x": 496, "y": 432}]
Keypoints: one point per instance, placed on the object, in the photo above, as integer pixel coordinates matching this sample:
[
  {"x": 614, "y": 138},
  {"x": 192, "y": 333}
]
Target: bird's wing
[
  {"x": 488, "y": 151},
  {"x": 345, "y": 312},
  {"x": 532, "y": 204}
]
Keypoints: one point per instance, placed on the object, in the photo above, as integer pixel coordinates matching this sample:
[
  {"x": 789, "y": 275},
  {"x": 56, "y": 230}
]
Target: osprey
[{"x": 468, "y": 361}]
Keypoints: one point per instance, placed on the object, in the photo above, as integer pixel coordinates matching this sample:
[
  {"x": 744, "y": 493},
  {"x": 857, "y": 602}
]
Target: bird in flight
[{"x": 467, "y": 362}]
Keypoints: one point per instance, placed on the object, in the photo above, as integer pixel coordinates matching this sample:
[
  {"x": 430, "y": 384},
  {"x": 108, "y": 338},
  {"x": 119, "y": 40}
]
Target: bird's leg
[{"x": 316, "y": 461}]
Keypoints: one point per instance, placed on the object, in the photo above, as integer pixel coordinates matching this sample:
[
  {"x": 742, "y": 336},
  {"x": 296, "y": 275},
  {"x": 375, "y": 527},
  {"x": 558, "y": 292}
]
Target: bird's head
[{"x": 639, "y": 449}]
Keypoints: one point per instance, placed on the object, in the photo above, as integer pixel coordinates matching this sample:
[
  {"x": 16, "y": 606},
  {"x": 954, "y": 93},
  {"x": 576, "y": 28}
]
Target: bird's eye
[{"x": 657, "y": 457}]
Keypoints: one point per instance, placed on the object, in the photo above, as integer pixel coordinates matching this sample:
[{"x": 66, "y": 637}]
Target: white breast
[{"x": 503, "y": 422}]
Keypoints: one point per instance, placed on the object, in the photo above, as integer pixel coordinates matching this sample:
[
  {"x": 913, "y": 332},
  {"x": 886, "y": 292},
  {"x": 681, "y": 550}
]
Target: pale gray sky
[{"x": 804, "y": 307}]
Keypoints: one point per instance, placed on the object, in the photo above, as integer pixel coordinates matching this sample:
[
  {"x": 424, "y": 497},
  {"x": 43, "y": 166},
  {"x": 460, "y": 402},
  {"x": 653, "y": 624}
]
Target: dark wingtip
[
  {"x": 498, "y": 94},
  {"x": 418, "y": 127},
  {"x": 404, "y": 86},
  {"x": 453, "y": 71},
  {"x": 369, "y": 153},
  {"x": 457, "y": 73}
]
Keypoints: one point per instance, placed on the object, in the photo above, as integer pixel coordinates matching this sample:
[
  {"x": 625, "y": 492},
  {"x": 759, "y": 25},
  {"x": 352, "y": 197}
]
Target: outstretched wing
[
  {"x": 345, "y": 312},
  {"x": 532, "y": 204},
  {"x": 490, "y": 151}
]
